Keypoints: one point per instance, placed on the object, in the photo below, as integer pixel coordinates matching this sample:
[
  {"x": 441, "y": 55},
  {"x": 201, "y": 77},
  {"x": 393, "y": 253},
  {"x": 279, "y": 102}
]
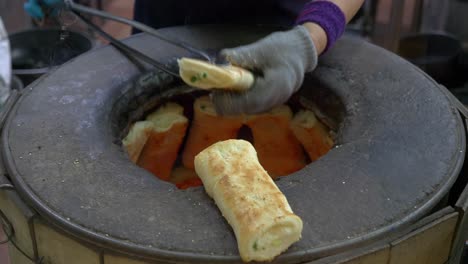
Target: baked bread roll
[
  {"x": 279, "y": 152},
  {"x": 136, "y": 139},
  {"x": 207, "y": 128},
  {"x": 247, "y": 197},
  {"x": 139, "y": 132},
  {"x": 204, "y": 75},
  {"x": 164, "y": 140},
  {"x": 312, "y": 134}
]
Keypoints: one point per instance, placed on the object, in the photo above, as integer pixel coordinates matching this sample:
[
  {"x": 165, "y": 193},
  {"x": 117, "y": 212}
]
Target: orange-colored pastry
[
  {"x": 140, "y": 131},
  {"x": 208, "y": 128},
  {"x": 164, "y": 141},
  {"x": 312, "y": 134},
  {"x": 136, "y": 139},
  {"x": 279, "y": 152},
  {"x": 185, "y": 178}
]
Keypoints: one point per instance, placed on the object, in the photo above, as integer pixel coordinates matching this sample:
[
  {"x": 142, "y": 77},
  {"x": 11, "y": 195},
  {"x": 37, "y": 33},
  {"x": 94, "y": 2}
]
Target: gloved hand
[
  {"x": 38, "y": 8},
  {"x": 283, "y": 58}
]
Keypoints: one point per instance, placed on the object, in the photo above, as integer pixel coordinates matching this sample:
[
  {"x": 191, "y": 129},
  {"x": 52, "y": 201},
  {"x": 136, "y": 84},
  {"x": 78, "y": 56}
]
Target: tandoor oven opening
[{"x": 174, "y": 127}]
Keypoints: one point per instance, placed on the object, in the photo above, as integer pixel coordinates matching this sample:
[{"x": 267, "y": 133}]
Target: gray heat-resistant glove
[{"x": 283, "y": 58}]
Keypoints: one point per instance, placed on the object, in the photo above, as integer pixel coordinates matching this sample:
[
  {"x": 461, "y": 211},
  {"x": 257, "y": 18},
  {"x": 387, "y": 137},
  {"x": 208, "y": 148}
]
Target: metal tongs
[{"x": 77, "y": 9}]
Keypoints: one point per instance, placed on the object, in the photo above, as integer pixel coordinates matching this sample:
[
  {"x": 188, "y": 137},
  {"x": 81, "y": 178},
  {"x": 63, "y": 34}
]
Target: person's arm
[
  {"x": 317, "y": 33},
  {"x": 284, "y": 58},
  {"x": 349, "y": 7}
]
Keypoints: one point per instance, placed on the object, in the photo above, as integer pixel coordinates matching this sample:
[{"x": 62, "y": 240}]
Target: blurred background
[
  {"x": 432, "y": 34},
  {"x": 16, "y": 19},
  {"x": 383, "y": 21}
]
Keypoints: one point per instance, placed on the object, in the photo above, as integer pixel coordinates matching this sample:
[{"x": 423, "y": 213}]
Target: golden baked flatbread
[
  {"x": 247, "y": 197},
  {"x": 205, "y": 75}
]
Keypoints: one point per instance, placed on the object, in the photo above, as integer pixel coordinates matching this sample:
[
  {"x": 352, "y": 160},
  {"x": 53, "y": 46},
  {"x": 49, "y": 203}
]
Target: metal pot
[
  {"x": 435, "y": 53},
  {"x": 35, "y": 52}
]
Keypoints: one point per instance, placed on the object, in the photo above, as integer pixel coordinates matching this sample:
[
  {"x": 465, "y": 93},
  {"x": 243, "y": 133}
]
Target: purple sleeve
[{"x": 328, "y": 16}]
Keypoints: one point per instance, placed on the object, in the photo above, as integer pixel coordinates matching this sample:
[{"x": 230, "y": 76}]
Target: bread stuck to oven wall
[
  {"x": 136, "y": 139},
  {"x": 139, "y": 132},
  {"x": 312, "y": 134},
  {"x": 207, "y": 128},
  {"x": 279, "y": 152},
  {"x": 164, "y": 141},
  {"x": 247, "y": 197}
]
